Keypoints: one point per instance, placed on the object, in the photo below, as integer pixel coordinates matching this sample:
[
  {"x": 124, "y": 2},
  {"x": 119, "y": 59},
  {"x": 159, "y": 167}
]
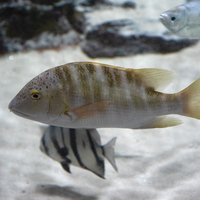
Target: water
[{"x": 152, "y": 164}]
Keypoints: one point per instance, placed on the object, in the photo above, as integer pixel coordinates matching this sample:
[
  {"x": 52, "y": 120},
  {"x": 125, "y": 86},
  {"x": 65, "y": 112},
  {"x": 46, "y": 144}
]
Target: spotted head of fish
[
  {"x": 175, "y": 19},
  {"x": 35, "y": 100}
]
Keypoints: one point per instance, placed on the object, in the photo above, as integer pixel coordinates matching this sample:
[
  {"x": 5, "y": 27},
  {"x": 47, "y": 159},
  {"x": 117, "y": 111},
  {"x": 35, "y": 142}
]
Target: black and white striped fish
[{"x": 79, "y": 147}]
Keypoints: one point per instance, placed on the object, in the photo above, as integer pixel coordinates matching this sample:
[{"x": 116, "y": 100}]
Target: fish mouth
[
  {"x": 10, "y": 107},
  {"x": 163, "y": 17},
  {"x": 19, "y": 113}
]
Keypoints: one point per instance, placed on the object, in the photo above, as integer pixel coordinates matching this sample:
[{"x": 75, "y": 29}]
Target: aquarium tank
[{"x": 100, "y": 99}]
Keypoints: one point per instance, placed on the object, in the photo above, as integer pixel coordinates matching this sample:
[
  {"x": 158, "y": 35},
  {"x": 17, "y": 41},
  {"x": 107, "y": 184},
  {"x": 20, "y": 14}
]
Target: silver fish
[
  {"x": 183, "y": 20},
  {"x": 78, "y": 147},
  {"x": 93, "y": 95}
]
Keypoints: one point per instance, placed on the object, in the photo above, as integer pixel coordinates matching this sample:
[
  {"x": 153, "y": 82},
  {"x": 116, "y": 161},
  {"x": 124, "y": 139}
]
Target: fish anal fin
[
  {"x": 155, "y": 78},
  {"x": 90, "y": 110},
  {"x": 65, "y": 166},
  {"x": 162, "y": 122}
]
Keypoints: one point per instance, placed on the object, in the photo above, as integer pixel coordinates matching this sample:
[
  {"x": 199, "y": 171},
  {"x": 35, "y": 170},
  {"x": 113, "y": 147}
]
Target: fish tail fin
[
  {"x": 108, "y": 150},
  {"x": 191, "y": 100}
]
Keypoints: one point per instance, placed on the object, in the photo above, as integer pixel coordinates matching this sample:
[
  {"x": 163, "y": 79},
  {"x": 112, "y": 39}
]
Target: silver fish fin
[
  {"x": 108, "y": 150},
  {"x": 162, "y": 122},
  {"x": 155, "y": 78},
  {"x": 95, "y": 136},
  {"x": 90, "y": 110},
  {"x": 65, "y": 166}
]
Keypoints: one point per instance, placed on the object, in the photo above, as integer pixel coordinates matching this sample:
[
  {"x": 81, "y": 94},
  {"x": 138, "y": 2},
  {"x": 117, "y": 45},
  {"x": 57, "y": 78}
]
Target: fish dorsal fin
[
  {"x": 155, "y": 78},
  {"x": 162, "y": 122},
  {"x": 108, "y": 150},
  {"x": 95, "y": 136}
]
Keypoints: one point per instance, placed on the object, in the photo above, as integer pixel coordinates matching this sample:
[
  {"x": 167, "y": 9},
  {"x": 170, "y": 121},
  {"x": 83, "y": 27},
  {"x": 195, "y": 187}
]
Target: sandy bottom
[{"x": 152, "y": 164}]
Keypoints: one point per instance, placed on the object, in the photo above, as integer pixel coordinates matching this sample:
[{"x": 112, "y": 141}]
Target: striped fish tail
[{"x": 108, "y": 150}]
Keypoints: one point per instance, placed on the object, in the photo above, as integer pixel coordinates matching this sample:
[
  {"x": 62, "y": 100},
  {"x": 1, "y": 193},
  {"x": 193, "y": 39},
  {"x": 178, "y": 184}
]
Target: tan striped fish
[{"x": 94, "y": 95}]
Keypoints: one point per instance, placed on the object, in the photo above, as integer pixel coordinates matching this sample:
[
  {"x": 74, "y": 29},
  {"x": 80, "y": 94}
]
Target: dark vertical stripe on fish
[
  {"x": 61, "y": 151},
  {"x": 108, "y": 74},
  {"x": 45, "y": 147},
  {"x": 53, "y": 138},
  {"x": 73, "y": 143},
  {"x": 63, "y": 137},
  {"x": 64, "y": 151},
  {"x": 99, "y": 161}
]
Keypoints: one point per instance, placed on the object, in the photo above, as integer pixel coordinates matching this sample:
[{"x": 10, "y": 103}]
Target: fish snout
[
  {"x": 14, "y": 108},
  {"x": 10, "y": 106},
  {"x": 163, "y": 17}
]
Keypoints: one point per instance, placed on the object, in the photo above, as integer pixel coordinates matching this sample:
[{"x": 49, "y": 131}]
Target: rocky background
[
  {"x": 153, "y": 164},
  {"x": 103, "y": 28}
]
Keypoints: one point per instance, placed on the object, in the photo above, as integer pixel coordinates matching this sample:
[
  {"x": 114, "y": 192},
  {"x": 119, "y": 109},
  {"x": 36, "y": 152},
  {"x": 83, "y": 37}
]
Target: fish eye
[
  {"x": 173, "y": 18},
  {"x": 35, "y": 95}
]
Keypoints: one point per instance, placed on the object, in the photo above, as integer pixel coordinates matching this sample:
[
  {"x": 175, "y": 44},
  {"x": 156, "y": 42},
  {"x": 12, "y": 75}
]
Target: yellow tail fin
[{"x": 191, "y": 100}]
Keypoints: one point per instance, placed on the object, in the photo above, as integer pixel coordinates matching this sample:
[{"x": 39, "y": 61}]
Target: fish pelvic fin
[
  {"x": 191, "y": 100},
  {"x": 108, "y": 151},
  {"x": 65, "y": 166},
  {"x": 158, "y": 79}
]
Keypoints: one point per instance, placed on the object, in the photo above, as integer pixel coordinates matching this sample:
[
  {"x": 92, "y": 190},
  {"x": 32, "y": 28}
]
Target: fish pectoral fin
[
  {"x": 162, "y": 122},
  {"x": 155, "y": 78},
  {"x": 65, "y": 166},
  {"x": 90, "y": 110},
  {"x": 70, "y": 115}
]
